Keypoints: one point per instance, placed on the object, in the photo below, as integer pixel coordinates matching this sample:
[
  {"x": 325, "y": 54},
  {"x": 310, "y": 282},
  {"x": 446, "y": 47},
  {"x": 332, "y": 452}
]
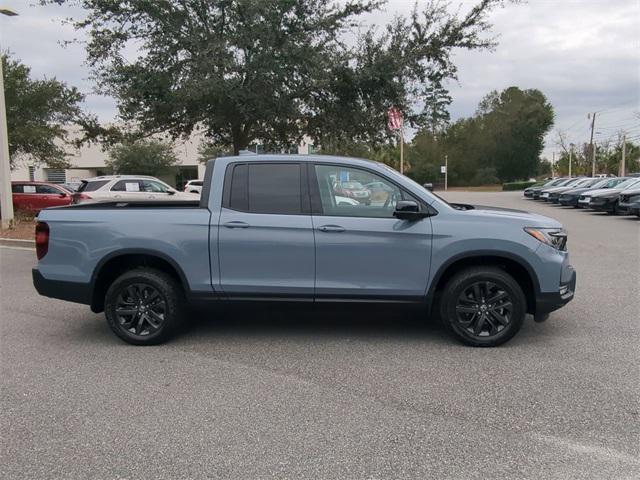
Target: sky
[{"x": 584, "y": 55}]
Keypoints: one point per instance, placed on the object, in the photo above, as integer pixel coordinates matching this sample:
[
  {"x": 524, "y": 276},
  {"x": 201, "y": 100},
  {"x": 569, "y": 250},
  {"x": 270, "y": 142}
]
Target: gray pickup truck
[{"x": 291, "y": 228}]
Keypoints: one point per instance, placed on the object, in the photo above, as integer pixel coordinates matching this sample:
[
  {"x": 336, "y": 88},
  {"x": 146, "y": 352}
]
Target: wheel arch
[
  {"x": 113, "y": 265},
  {"x": 516, "y": 266}
]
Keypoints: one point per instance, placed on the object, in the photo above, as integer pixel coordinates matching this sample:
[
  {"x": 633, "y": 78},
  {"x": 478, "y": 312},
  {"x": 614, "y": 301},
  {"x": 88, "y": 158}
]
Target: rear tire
[
  {"x": 144, "y": 306},
  {"x": 483, "y": 306}
]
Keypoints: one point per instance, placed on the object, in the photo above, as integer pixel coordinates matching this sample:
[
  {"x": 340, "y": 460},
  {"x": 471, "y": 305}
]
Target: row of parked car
[
  {"x": 32, "y": 197},
  {"x": 614, "y": 195}
]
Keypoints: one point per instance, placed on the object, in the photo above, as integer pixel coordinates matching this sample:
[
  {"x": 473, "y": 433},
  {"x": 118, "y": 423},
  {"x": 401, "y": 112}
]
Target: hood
[
  {"x": 591, "y": 193},
  {"x": 630, "y": 192},
  {"x": 606, "y": 192},
  {"x": 557, "y": 189},
  {"x": 526, "y": 219},
  {"x": 576, "y": 191}
]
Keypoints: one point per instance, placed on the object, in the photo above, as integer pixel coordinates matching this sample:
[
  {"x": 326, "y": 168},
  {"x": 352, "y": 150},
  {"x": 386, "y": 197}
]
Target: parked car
[
  {"x": 570, "y": 197},
  {"x": 269, "y": 227},
  {"x": 534, "y": 191},
  {"x": 193, "y": 186},
  {"x": 34, "y": 196},
  {"x": 127, "y": 188},
  {"x": 607, "y": 201},
  {"x": 584, "y": 201},
  {"x": 552, "y": 193},
  {"x": 629, "y": 201},
  {"x": 352, "y": 189}
]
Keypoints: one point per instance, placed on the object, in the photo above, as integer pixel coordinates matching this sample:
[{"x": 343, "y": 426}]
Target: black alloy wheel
[
  {"x": 484, "y": 309},
  {"x": 144, "y": 306},
  {"x": 483, "y": 306},
  {"x": 140, "y": 309}
]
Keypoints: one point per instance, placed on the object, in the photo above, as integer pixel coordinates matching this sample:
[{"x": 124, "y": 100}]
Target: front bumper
[
  {"x": 603, "y": 204},
  {"x": 69, "y": 291},
  {"x": 631, "y": 208},
  {"x": 568, "y": 200},
  {"x": 548, "y": 302}
]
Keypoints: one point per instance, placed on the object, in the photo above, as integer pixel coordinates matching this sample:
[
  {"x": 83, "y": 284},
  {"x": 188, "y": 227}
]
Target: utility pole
[
  {"x": 446, "y": 172},
  {"x": 553, "y": 163},
  {"x": 571, "y": 147},
  {"x": 624, "y": 151},
  {"x": 6, "y": 195},
  {"x": 592, "y": 147}
]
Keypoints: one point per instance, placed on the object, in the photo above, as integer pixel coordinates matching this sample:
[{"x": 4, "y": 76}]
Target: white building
[{"x": 90, "y": 161}]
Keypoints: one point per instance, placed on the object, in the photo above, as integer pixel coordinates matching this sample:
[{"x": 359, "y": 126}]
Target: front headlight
[{"x": 554, "y": 237}]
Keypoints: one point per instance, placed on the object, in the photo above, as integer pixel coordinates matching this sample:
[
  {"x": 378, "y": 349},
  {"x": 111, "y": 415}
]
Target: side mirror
[
  {"x": 171, "y": 192},
  {"x": 428, "y": 186},
  {"x": 63, "y": 194},
  {"x": 408, "y": 210}
]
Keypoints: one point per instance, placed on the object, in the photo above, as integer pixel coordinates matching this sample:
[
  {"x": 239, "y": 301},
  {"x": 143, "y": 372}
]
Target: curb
[{"x": 16, "y": 242}]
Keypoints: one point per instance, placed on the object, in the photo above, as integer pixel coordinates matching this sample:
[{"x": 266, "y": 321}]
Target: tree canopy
[
  {"x": 142, "y": 157},
  {"x": 274, "y": 70},
  {"x": 38, "y": 111},
  {"x": 501, "y": 142}
]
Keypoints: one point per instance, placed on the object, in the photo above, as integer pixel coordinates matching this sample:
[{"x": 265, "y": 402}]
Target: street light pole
[
  {"x": 570, "y": 157},
  {"x": 6, "y": 198}
]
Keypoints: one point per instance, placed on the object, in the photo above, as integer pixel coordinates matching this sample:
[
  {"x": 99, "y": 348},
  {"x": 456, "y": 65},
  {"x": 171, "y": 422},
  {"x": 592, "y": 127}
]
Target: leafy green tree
[
  {"x": 142, "y": 157},
  {"x": 272, "y": 70},
  {"x": 517, "y": 120},
  {"x": 38, "y": 113}
]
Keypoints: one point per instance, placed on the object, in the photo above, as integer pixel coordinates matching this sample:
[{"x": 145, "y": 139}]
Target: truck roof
[{"x": 270, "y": 157}]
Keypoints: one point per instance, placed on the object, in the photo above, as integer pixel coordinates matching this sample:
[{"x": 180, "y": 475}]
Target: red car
[{"x": 34, "y": 196}]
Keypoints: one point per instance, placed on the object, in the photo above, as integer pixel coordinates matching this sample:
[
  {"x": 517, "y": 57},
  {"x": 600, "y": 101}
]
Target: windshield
[
  {"x": 598, "y": 183},
  {"x": 627, "y": 183},
  {"x": 586, "y": 182}
]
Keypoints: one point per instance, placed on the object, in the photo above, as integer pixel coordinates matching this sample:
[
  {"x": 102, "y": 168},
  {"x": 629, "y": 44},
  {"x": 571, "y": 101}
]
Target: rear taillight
[{"x": 42, "y": 239}]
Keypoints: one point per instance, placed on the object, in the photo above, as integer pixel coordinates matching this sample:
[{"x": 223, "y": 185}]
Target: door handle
[
  {"x": 331, "y": 228},
  {"x": 236, "y": 224}
]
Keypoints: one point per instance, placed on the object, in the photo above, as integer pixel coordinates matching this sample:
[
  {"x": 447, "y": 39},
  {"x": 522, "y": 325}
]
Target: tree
[
  {"x": 38, "y": 112},
  {"x": 271, "y": 70},
  {"x": 142, "y": 157},
  {"x": 501, "y": 142},
  {"x": 517, "y": 120}
]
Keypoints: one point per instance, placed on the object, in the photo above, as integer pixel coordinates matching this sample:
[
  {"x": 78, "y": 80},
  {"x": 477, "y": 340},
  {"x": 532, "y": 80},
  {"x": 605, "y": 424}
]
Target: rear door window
[
  {"x": 127, "y": 186},
  {"x": 47, "y": 190},
  {"x": 17, "y": 188},
  {"x": 272, "y": 188}
]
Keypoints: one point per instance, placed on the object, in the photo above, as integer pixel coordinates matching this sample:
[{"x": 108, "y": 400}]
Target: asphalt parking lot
[{"x": 345, "y": 393}]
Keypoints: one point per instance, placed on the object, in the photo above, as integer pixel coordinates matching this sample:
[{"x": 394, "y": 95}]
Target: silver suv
[{"x": 127, "y": 188}]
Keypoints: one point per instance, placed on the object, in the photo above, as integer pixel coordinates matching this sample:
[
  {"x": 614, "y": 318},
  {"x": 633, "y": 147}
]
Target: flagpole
[{"x": 401, "y": 147}]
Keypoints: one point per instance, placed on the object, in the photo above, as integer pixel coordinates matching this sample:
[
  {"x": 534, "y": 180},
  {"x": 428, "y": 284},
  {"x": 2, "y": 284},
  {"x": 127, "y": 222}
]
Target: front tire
[
  {"x": 483, "y": 306},
  {"x": 144, "y": 306}
]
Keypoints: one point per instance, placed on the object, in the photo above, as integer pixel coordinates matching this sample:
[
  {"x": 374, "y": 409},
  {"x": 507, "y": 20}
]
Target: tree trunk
[{"x": 240, "y": 139}]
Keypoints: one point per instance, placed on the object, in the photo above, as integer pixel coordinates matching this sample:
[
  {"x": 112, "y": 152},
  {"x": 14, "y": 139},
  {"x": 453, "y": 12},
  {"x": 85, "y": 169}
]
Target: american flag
[{"x": 394, "y": 119}]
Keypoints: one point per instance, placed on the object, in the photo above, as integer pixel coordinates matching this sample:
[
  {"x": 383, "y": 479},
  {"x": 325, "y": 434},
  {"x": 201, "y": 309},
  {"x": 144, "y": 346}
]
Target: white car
[
  {"x": 193, "y": 186},
  {"x": 127, "y": 188}
]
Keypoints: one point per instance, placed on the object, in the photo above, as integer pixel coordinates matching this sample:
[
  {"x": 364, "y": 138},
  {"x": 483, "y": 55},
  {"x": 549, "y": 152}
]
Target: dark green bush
[{"x": 516, "y": 186}]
